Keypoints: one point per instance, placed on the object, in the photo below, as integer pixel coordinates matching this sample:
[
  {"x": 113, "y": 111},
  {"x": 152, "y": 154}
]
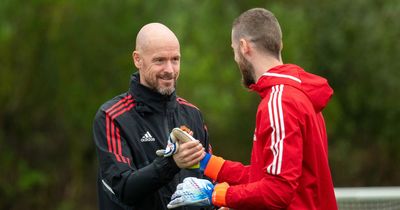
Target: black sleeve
[
  {"x": 119, "y": 176},
  {"x": 149, "y": 179}
]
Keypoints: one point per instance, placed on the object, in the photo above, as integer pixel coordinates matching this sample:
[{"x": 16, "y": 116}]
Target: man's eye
[
  {"x": 176, "y": 60},
  {"x": 158, "y": 60}
]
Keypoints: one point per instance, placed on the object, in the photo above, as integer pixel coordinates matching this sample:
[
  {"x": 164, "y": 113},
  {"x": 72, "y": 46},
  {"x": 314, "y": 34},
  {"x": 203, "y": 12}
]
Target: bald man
[{"x": 131, "y": 127}]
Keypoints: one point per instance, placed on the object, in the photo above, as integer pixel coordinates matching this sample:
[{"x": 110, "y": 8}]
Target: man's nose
[{"x": 169, "y": 67}]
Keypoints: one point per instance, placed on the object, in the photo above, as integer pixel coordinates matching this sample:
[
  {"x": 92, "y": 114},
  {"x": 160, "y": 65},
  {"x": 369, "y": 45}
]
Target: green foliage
[
  {"x": 362, "y": 55},
  {"x": 60, "y": 60}
]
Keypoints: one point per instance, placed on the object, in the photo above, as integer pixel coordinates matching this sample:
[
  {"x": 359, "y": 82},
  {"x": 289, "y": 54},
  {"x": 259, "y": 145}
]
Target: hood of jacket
[{"x": 315, "y": 87}]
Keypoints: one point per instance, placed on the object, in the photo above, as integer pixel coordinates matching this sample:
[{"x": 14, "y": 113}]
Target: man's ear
[
  {"x": 244, "y": 46},
  {"x": 136, "y": 59}
]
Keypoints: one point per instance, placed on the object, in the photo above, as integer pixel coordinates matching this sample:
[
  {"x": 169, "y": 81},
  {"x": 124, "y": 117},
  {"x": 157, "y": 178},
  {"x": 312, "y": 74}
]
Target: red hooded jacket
[{"x": 289, "y": 162}]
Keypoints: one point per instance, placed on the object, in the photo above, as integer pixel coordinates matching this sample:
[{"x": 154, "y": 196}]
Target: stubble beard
[
  {"x": 163, "y": 90},
  {"x": 247, "y": 71},
  {"x": 166, "y": 90}
]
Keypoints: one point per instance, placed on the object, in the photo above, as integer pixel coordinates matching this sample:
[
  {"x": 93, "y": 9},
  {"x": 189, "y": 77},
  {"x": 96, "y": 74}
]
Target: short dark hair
[{"x": 261, "y": 27}]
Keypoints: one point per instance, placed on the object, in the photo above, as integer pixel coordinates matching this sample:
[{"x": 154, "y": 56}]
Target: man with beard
[
  {"x": 130, "y": 128},
  {"x": 289, "y": 162}
]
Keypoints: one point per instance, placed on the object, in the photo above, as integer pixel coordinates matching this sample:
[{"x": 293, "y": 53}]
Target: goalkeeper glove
[
  {"x": 198, "y": 192},
  {"x": 172, "y": 147},
  {"x": 192, "y": 191}
]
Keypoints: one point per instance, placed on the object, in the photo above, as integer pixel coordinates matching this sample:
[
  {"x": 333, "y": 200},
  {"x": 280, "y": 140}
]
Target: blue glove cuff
[
  {"x": 210, "y": 191},
  {"x": 204, "y": 162}
]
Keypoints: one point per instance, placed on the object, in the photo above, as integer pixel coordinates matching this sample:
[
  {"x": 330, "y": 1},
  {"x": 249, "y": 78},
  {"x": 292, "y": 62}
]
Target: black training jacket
[{"x": 127, "y": 131}]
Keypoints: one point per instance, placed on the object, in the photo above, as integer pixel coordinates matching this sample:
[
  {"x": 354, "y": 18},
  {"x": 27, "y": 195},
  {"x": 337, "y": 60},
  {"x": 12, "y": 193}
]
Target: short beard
[
  {"x": 166, "y": 90},
  {"x": 247, "y": 71},
  {"x": 162, "y": 90}
]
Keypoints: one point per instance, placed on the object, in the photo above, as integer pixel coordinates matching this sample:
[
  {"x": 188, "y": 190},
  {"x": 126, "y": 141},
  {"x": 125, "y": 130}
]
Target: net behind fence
[{"x": 366, "y": 198}]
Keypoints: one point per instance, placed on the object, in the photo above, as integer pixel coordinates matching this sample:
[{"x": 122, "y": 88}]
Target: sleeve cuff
[
  {"x": 213, "y": 167},
  {"x": 219, "y": 194}
]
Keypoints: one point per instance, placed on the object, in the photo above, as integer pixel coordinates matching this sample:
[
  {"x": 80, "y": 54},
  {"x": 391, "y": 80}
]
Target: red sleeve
[
  {"x": 278, "y": 127},
  {"x": 222, "y": 170},
  {"x": 234, "y": 173}
]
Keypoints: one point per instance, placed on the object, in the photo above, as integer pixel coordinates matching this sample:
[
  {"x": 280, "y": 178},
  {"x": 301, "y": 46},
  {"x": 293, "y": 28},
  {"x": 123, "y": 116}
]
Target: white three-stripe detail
[
  {"x": 278, "y": 129},
  {"x": 271, "y": 120},
  {"x": 283, "y": 76}
]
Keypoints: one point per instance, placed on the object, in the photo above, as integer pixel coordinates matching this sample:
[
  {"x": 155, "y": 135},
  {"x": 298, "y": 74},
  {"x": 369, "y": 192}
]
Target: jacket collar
[
  {"x": 286, "y": 74},
  {"x": 149, "y": 100},
  {"x": 315, "y": 87}
]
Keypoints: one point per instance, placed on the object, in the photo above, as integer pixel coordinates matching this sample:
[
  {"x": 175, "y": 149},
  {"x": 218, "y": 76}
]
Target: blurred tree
[{"x": 357, "y": 50}]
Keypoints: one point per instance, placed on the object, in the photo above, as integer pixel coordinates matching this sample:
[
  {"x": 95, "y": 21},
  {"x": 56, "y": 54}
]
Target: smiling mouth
[
  {"x": 166, "y": 78},
  {"x": 166, "y": 81}
]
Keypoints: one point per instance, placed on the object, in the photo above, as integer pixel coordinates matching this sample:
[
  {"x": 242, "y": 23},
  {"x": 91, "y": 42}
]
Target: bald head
[
  {"x": 153, "y": 35},
  {"x": 157, "y": 57}
]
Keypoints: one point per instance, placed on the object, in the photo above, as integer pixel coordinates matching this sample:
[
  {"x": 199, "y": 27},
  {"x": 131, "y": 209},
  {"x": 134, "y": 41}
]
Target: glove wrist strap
[
  {"x": 204, "y": 162},
  {"x": 213, "y": 166},
  {"x": 219, "y": 194}
]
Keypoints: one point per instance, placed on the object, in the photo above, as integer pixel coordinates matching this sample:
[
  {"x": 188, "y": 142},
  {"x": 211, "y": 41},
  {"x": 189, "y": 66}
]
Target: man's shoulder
[
  {"x": 183, "y": 102},
  {"x": 285, "y": 92},
  {"x": 294, "y": 97},
  {"x": 285, "y": 96},
  {"x": 122, "y": 100}
]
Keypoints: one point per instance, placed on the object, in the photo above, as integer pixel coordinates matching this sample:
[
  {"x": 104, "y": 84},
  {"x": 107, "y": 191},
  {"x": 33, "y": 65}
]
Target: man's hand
[
  {"x": 187, "y": 151},
  {"x": 193, "y": 192},
  {"x": 189, "y": 154},
  {"x": 182, "y": 136}
]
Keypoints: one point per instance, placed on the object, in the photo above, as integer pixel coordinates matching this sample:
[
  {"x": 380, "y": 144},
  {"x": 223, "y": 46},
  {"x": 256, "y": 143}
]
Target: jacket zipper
[
  {"x": 166, "y": 124},
  {"x": 167, "y": 131}
]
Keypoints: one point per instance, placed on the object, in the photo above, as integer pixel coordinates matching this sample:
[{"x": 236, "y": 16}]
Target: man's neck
[{"x": 263, "y": 63}]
